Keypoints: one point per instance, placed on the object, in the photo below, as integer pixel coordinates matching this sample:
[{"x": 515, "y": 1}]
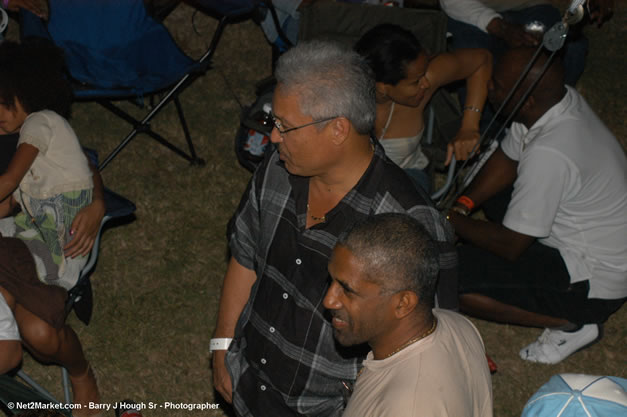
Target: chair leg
[
  {"x": 143, "y": 126},
  {"x": 195, "y": 160},
  {"x": 31, "y": 382},
  {"x": 65, "y": 377}
]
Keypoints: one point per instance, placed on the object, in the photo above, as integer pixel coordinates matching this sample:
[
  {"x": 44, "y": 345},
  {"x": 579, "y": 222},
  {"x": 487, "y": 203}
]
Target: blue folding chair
[{"x": 115, "y": 51}]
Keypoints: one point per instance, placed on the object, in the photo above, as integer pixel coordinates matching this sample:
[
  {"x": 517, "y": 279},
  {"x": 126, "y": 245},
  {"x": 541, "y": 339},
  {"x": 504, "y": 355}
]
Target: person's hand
[
  {"x": 462, "y": 145},
  {"x": 30, "y": 5},
  {"x": 84, "y": 229},
  {"x": 513, "y": 34},
  {"x": 221, "y": 377},
  {"x": 600, "y": 11}
]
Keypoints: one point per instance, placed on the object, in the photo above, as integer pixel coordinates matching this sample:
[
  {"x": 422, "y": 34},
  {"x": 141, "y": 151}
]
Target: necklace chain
[
  {"x": 316, "y": 218},
  {"x": 415, "y": 339},
  {"x": 406, "y": 344}
]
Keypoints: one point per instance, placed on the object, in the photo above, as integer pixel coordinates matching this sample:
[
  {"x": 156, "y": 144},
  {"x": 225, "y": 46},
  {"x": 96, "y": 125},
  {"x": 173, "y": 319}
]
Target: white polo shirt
[{"x": 571, "y": 193}]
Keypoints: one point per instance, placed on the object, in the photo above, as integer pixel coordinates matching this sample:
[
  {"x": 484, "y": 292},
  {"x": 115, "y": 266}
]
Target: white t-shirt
[
  {"x": 60, "y": 165},
  {"x": 480, "y": 12},
  {"x": 444, "y": 374},
  {"x": 571, "y": 193},
  {"x": 8, "y": 326}
]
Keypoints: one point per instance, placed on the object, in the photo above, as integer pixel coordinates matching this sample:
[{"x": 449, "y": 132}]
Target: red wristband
[{"x": 466, "y": 202}]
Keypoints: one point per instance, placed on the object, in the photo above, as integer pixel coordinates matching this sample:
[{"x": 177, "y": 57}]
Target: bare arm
[
  {"x": 238, "y": 282},
  {"x": 498, "y": 173},
  {"x": 6, "y": 206},
  {"x": 493, "y": 237},
  {"x": 17, "y": 169},
  {"x": 475, "y": 66},
  {"x": 86, "y": 223}
]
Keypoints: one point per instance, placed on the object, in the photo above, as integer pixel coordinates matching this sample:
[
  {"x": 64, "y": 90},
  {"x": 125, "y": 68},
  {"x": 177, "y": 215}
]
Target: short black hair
[
  {"x": 397, "y": 253},
  {"x": 34, "y": 72},
  {"x": 388, "y": 49}
]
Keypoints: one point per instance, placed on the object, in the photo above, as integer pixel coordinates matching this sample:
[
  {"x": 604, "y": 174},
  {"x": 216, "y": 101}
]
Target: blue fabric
[
  {"x": 115, "y": 44},
  {"x": 557, "y": 398}
]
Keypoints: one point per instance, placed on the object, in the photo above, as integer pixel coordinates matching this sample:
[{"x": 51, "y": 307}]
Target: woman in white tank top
[{"x": 406, "y": 79}]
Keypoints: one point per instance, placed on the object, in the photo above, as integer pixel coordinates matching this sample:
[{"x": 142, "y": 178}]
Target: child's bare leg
[
  {"x": 62, "y": 347},
  {"x": 10, "y": 355}
]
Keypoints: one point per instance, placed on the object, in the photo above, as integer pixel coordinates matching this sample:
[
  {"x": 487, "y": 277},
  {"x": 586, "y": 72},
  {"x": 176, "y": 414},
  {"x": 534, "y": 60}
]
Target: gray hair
[
  {"x": 331, "y": 81},
  {"x": 397, "y": 253}
]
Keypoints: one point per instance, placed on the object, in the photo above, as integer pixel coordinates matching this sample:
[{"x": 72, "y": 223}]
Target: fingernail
[{"x": 71, "y": 232}]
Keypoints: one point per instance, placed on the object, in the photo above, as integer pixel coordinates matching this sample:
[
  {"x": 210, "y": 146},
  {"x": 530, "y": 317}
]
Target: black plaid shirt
[{"x": 284, "y": 360}]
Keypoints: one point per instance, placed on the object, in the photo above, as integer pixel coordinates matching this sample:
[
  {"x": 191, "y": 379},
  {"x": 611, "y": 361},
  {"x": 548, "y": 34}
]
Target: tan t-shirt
[
  {"x": 60, "y": 165},
  {"x": 444, "y": 374}
]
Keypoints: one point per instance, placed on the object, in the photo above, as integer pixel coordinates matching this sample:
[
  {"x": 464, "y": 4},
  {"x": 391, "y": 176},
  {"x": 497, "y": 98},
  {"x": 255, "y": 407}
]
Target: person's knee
[
  {"x": 41, "y": 337},
  {"x": 10, "y": 355}
]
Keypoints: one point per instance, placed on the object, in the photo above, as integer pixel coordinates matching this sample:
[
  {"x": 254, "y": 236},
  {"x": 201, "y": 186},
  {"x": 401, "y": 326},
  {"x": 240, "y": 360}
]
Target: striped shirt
[{"x": 284, "y": 360}]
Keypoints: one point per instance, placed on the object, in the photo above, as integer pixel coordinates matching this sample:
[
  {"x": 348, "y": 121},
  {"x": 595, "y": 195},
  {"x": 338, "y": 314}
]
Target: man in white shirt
[
  {"x": 500, "y": 24},
  {"x": 558, "y": 259},
  {"x": 424, "y": 361}
]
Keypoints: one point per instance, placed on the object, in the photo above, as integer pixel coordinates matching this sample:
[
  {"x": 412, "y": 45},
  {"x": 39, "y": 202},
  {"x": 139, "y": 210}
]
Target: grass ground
[{"x": 158, "y": 279}]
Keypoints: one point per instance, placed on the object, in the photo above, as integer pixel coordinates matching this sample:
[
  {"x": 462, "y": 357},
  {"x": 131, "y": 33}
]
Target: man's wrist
[{"x": 220, "y": 343}]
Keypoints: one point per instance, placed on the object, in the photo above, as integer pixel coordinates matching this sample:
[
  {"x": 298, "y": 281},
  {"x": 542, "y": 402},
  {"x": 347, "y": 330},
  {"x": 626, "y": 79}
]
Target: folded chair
[
  {"x": 347, "y": 22},
  {"x": 13, "y": 393},
  {"x": 80, "y": 300},
  {"x": 115, "y": 51}
]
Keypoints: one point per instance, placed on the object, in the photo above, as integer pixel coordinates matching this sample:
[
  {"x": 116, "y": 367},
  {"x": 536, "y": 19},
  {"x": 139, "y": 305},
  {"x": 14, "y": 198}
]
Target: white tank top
[{"x": 405, "y": 152}]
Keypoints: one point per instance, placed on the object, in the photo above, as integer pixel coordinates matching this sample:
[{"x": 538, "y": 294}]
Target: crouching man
[{"x": 424, "y": 361}]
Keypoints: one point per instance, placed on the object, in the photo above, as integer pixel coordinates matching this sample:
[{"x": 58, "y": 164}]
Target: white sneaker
[{"x": 553, "y": 346}]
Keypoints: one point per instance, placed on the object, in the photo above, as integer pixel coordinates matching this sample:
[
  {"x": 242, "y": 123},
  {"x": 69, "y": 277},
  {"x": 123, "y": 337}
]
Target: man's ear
[
  {"x": 407, "y": 302},
  {"x": 340, "y": 129}
]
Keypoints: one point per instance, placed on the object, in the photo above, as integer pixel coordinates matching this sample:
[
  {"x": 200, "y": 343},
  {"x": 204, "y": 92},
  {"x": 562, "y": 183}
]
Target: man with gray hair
[
  {"x": 424, "y": 360},
  {"x": 273, "y": 350}
]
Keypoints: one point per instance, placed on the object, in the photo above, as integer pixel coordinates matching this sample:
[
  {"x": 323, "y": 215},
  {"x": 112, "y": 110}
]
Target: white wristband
[{"x": 222, "y": 343}]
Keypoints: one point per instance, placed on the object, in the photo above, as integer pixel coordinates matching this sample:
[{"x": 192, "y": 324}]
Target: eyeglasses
[{"x": 282, "y": 132}]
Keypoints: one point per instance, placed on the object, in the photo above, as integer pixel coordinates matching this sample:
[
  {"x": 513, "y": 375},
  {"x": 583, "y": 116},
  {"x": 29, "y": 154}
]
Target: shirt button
[
  {"x": 263, "y": 387},
  {"x": 298, "y": 261},
  {"x": 263, "y": 361},
  {"x": 271, "y": 329},
  {"x": 285, "y": 296}
]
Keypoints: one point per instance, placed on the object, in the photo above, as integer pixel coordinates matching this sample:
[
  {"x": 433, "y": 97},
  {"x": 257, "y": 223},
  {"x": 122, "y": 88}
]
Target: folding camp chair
[
  {"x": 115, "y": 51},
  {"x": 345, "y": 22},
  {"x": 80, "y": 300},
  {"x": 13, "y": 393}
]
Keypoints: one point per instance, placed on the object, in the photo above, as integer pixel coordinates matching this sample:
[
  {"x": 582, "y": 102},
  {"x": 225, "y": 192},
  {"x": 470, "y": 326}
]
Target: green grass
[{"x": 157, "y": 282}]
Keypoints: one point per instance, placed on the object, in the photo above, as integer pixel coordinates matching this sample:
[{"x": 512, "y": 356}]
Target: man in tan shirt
[{"x": 424, "y": 361}]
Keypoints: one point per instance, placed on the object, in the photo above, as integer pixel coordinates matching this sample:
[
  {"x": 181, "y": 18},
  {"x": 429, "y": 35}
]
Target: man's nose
[
  {"x": 275, "y": 136},
  {"x": 331, "y": 300}
]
